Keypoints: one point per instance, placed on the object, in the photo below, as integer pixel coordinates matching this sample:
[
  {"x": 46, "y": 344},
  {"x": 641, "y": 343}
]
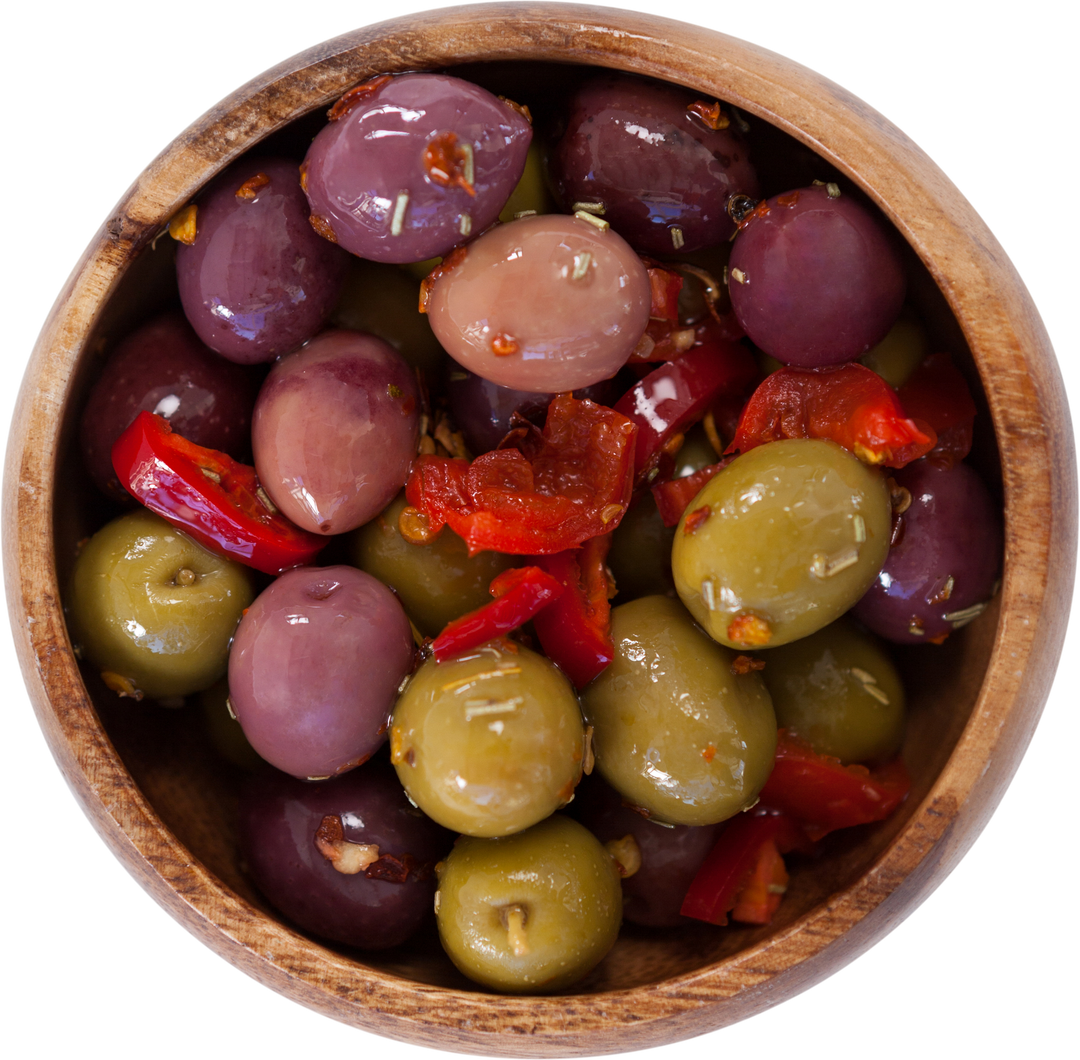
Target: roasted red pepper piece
[
  {"x": 937, "y": 393},
  {"x": 849, "y": 404},
  {"x": 673, "y": 496},
  {"x": 763, "y": 892},
  {"x": 562, "y": 486},
  {"x": 664, "y": 285},
  {"x": 575, "y": 631},
  {"x": 519, "y": 594},
  {"x": 823, "y": 795},
  {"x": 209, "y": 496},
  {"x": 680, "y": 392},
  {"x": 724, "y": 873}
]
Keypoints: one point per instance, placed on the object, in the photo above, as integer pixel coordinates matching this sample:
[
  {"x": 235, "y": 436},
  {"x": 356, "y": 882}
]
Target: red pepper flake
[
  {"x": 357, "y": 95},
  {"x": 709, "y": 753},
  {"x": 391, "y": 869},
  {"x": 939, "y": 639},
  {"x": 762, "y": 893},
  {"x": 448, "y": 264},
  {"x": 746, "y": 664},
  {"x": 749, "y": 631},
  {"x": 415, "y": 526},
  {"x": 446, "y": 162},
  {"x": 502, "y": 345},
  {"x": 249, "y": 190},
  {"x": 790, "y": 199},
  {"x": 322, "y": 226},
  {"x": 696, "y": 519},
  {"x": 761, "y": 210},
  {"x": 182, "y": 227},
  {"x": 709, "y": 114},
  {"x": 303, "y": 176},
  {"x": 519, "y": 107}
]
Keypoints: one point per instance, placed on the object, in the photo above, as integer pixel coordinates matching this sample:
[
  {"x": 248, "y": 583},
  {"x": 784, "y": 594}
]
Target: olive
[
  {"x": 676, "y": 731},
  {"x": 781, "y": 542},
  {"x": 153, "y": 610},
  {"x": 839, "y": 691},
  {"x": 223, "y": 730},
  {"x": 436, "y": 582},
  {"x": 902, "y": 350},
  {"x": 490, "y": 741},
  {"x": 531, "y": 193},
  {"x": 533, "y": 912},
  {"x": 640, "y": 556}
]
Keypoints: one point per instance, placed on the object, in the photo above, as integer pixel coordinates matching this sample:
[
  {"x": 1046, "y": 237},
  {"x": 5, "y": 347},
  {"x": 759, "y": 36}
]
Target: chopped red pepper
[
  {"x": 673, "y": 496},
  {"x": 724, "y": 872},
  {"x": 937, "y": 393},
  {"x": 849, "y": 404},
  {"x": 575, "y": 631},
  {"x": 209, "y": 496},
  {"x": 824, "y": 795},
  {"x": 519, "y": 594},
  {"x": 764, "y": 890},
  {"x": 558, "y": 488},
  {"x": 664, "y": 286},
  {"x": 678, "y": 393}
]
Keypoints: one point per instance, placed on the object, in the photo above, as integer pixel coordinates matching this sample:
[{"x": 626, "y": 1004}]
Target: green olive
[
  {"x": 226, "y": 736},
  {"x": 640, "y": 556},
  {"x": 781, "y": 542},
  {"x": 531, "y": 192},
  {"x": 436, "y": 582},
  {"x": 534, "y": 912},
  {"x": 676, "y": 731},
  {"x": 153, "y": 610},
  {"x": 840, "y": 692},
  {"x": 489, "y": 742},
  {"x": 901, "y": 351},
  {"x": 695, "y": 453}
]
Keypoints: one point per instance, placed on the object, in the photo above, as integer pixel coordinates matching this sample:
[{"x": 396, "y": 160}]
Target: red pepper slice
[
  {"x": 575, "y": 631},
  {"x": 725, "y": 870},
  {"x": 763, "y": 892},
  {"x": 209, "y": 496},
  {"x": 664, "y": 285},
  {"x": 824, "y": 795},
  {"x": 678, "y": 393},
  {"x": 937, "y": 393},
  {"x": 848, "y": 404},
  {"x": 673, "y": 497},
  {"x": 519, "y": 594},
  {"x": 564, "y": 485}
]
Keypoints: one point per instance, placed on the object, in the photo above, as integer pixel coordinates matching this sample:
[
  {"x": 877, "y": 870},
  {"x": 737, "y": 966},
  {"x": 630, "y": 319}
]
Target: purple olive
[
  {"x": 941, "y": 573},
  {"x": 315, "y": 666},
  {"x": 164, "y": 368},
  {"x": 814, "y": 278},
  {"x": 257, "y": 282},
  {"x": 414, "y": 166},
  {"x": 349, "y": 859}
]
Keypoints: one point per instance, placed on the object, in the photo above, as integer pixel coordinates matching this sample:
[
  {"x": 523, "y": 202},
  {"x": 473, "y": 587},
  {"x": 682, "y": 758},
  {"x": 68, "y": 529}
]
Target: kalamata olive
[
  {"x": 545, "y": 304},
  {"x": 670, "y": 855},
  {"x": 335, "y": 427},
  {"x": 675, "y": 730},
  {"x": 489, "y": 742},
  {"x": 839, "y": 691},
  {"x": 781, "y": 542},
  {"x": 531, "y": 912},
  {"x": 814, "y": 278},
  {"x": 902, "y": 350},
  {"x": 153, "y": 610},
  {"x": 348, "y": 859},
  {"x": 315, "y": 666},
  {"x": 437, "y": 581},
  {"x": 164, "y": 368},
  {"x": 941, "y": 573},
  {"x": 655, "y": 159},
  {"x": 257, "y": 281},
  {"x": 413, "y": 166}
]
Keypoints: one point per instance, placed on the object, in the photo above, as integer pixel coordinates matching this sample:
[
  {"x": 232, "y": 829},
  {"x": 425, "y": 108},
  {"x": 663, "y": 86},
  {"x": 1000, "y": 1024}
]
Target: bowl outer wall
[{"x": 1030, "y": 418}]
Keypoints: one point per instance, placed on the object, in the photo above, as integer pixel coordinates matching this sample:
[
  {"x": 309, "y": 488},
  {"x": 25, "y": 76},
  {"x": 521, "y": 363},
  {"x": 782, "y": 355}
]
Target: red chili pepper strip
[
  {"x": 518, "y": 598},
  {"x": 665, "y": 286},
  {"x": 564, "y": 485},
  {"x": 824, "y": 795},
  {"x": 764, "y": 890},
  {"x": 575, "y": 631},
  {"x": 209, "y": 496},
  {"x": 729, "y": 864},
  {"x": 678, "y": 393},
  {"x": 674, "y": 496},
  {"x": 937, "y": 393},
  {"x": 850, "y": 405}
]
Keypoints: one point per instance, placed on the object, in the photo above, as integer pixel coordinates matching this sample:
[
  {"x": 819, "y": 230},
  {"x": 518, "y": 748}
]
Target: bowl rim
[{"x": 1027, "y": 406}]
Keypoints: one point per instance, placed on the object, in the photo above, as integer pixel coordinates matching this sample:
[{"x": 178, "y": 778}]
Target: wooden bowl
[{"x": 166, "y": 808}]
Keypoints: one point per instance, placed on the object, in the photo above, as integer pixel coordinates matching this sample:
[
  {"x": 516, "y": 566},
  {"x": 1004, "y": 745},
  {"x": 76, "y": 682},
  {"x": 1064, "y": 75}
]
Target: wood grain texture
[{"x": 166, "y": 811}]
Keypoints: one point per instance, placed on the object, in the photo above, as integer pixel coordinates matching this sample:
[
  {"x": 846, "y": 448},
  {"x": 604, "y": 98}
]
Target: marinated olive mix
[
  {"x": 490, "y": 742},
  {"x": 839, "y": 691},
  {"x": 530, "y": 913},
  {"x": 675, "y": 731},
  {"x": 154, "y": 611},
  {"x": 785, "y": 539}
]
